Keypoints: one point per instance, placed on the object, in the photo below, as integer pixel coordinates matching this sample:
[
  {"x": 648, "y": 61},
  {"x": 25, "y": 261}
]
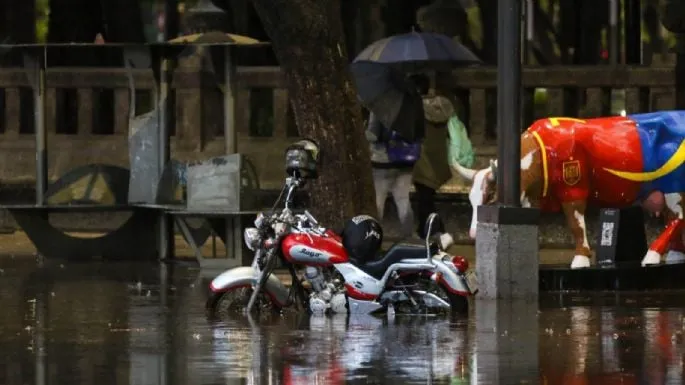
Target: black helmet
[
  {"x": 301, "y": 159},
  {"x": 362, "y": 238}
]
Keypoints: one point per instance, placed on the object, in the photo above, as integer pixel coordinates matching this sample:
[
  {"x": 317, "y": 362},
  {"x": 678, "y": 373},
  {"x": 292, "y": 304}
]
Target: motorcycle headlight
[{"x": 251, "y": 236}]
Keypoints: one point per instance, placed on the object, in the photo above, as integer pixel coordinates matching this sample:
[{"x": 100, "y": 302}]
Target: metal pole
[
  {"x": 633, "y": 39},
  {"x": 166, "y": 227},
  {"x": 166, "y": 119},
  {"x": 231, "y": 140},
  {"x": 530, "y": 31},
  {"x": 41, "y": 133},
  {"x": 230, "y": 135},
  {"x": 614, "y": 43},
  {"x": 165, "y": 114},
  {"x": 508, "y": 102}
]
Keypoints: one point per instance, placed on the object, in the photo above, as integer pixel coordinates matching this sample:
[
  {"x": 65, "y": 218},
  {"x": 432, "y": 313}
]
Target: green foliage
[
  {"x": 476, "y": 33},
  {"x": 42, "y": 17}
]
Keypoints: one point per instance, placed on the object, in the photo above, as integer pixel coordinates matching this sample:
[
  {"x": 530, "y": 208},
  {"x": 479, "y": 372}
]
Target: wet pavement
[{"x": 142, "y": 324}]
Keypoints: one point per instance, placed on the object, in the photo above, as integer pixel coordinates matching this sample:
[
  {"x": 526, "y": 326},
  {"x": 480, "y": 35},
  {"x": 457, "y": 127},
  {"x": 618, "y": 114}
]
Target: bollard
[{"x": 507, "y": 252}]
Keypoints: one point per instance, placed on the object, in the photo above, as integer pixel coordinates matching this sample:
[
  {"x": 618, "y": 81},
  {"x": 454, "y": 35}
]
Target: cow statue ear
[{"x": 493, "y": 170}]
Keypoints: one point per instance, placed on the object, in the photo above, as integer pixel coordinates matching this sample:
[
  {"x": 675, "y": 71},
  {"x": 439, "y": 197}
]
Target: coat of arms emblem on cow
[
  {"x": 571, "y": 172},
  {"x": 568, "y": 164}
]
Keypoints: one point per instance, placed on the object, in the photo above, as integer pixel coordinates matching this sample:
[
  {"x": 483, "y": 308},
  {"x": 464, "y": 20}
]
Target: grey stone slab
[{"x": 507, "y": 263}]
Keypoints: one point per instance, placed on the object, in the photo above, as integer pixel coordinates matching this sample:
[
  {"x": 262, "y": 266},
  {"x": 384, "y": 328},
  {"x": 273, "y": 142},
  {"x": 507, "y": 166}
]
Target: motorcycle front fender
[
  {"x": 453, "y": 282},
  {"x": 244, "y": 276}
]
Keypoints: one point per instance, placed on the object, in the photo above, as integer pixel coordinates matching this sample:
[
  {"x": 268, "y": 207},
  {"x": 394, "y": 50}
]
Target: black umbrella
[
  {"x": 392, "y": 98},
  {"x": 418, "y": 49}
]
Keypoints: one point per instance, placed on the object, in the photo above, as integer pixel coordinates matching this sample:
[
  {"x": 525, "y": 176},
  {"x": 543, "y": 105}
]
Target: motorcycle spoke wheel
[{"x": 233, "y": 303}]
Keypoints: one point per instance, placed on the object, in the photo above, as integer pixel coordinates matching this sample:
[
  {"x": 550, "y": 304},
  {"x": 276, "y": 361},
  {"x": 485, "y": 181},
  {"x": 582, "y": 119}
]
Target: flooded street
[{"x": 144, "y": 324}]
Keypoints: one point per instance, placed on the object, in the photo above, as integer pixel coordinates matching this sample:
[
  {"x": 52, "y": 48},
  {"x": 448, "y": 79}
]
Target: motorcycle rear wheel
[{"x": 232, "y": 303}]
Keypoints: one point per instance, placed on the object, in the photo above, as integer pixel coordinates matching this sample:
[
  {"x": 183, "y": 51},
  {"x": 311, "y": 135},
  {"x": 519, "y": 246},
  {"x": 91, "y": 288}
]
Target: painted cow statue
[{"x": 568, "y": 164}]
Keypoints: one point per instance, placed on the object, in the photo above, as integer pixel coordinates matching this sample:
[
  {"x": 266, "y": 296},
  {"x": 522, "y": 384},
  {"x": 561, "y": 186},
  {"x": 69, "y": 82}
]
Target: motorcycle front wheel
[{"x": 232, "y": 303}]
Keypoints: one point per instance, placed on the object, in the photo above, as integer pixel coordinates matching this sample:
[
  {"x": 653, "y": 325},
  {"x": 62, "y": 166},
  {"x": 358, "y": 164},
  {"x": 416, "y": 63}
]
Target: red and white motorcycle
[{"x": 409, "y": 278}]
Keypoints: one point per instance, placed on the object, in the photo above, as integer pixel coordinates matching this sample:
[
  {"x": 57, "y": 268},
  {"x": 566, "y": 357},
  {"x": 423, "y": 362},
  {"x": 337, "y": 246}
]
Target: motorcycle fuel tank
[{"x": 312, "y": 249}]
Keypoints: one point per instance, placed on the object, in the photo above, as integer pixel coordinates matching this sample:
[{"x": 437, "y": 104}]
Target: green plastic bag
[{"x": 459, "y": 148}]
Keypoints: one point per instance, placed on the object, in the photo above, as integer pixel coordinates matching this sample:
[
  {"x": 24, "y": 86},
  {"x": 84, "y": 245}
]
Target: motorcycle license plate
[{"x": 472, "y": 281}]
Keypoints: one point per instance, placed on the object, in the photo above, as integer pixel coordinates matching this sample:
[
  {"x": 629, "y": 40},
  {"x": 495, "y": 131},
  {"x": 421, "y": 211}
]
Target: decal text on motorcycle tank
[
  {"x": 302, "y": 253},
  {"x": 313, "y": 249}
]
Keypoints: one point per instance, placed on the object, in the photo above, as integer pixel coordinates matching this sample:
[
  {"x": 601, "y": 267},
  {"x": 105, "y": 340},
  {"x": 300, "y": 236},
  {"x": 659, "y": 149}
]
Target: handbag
[{"x": 401, "y": 151}]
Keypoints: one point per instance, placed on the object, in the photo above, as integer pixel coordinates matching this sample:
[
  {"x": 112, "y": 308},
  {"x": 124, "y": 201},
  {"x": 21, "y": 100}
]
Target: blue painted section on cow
[{"x": 661, "y": 133}]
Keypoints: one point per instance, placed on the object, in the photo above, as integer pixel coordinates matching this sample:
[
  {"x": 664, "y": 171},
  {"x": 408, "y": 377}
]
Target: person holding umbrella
[
  {"x": 399, "y": 110},
  {"x": 393, "y": 157}
]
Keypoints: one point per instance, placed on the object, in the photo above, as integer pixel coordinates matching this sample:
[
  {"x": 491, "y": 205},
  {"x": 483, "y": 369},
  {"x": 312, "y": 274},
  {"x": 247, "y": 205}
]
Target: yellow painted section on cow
[
  {"x": 545, "y": 174},
  {"x": 557, "y": 120},
  {"x": 671, "y": 165}
]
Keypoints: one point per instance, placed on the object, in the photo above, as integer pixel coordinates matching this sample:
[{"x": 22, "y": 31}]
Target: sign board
[{"x": 620, "y": 236}]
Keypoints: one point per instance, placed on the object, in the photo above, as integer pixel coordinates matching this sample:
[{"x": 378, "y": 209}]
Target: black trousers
[{"x": 425, "y": 202}]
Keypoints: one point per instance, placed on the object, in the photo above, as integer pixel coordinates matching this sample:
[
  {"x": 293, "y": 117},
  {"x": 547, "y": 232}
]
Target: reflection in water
[{"x": 145, "y": 325}]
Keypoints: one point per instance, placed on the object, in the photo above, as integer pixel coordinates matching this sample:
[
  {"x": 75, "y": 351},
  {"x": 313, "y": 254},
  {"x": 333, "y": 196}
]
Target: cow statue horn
[
  {"x": 493, "y": 170},
  {"x": 464, "y": 172}
]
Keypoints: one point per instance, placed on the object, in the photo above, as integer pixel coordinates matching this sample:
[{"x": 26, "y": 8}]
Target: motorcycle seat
[{"x": 396, "y": 253}]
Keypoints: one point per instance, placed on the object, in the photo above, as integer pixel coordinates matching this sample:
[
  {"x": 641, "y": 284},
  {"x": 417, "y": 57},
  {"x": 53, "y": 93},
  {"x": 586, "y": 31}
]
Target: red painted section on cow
[{"x": 578, "y": 151}]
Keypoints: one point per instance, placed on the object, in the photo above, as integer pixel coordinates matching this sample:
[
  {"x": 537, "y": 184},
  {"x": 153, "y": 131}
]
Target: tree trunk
[{"x": 307, "y": 37}]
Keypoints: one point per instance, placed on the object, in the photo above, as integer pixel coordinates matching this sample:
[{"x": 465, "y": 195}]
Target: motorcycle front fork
[
  {"x": 295, "y": 288},
  {"x": 263, "y": 277}
]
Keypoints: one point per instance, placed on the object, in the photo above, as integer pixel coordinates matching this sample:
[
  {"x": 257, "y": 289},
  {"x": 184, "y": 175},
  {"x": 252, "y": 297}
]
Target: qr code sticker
[{"x": 607, "y": 234}]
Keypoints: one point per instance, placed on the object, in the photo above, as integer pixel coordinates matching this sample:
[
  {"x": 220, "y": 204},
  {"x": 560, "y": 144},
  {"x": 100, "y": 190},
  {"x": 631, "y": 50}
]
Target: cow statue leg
[
  {"x": 575, "y": 218},
  {"x": 672, "y": 234}
]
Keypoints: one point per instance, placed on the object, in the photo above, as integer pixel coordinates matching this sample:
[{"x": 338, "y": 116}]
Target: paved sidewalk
[{"x": 18, "y": 244}]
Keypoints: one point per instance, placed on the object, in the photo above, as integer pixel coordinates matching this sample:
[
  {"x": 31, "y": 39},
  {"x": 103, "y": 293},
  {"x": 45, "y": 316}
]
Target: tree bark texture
[{"x": 307, "y": 37}]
